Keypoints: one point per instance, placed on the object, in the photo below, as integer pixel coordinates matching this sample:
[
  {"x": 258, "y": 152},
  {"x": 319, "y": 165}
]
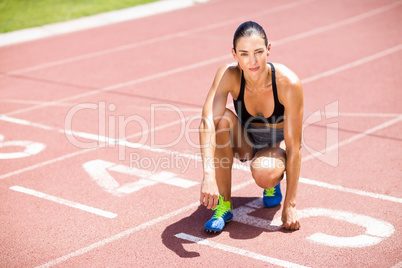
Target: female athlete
[{"x": 265, "y": 128}]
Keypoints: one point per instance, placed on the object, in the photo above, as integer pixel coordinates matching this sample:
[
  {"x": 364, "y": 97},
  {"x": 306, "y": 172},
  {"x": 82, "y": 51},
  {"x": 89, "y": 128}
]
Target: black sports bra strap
[
  {"x": 242, "y": 85},
  {"x": 274, "y": 90}
]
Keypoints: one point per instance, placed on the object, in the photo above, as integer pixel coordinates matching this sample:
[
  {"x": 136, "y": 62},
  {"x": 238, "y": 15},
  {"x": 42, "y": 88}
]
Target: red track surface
[{"x": 348, "y": 55}]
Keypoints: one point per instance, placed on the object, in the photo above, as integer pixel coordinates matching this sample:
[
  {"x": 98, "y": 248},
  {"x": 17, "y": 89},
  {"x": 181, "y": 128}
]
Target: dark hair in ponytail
[{"x": 247, "y": 29}]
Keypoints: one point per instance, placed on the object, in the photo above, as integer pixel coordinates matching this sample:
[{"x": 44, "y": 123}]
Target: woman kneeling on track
[{"x": 268, "y": 100}]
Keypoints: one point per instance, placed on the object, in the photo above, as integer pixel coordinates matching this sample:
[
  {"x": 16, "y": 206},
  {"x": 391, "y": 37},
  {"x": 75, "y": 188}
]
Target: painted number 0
[{"x": 31, "y": 148}]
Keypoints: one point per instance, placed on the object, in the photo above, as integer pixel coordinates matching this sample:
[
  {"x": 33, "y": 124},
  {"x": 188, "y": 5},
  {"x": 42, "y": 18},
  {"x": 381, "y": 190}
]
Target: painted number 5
[{"x": 375, "y": 230}]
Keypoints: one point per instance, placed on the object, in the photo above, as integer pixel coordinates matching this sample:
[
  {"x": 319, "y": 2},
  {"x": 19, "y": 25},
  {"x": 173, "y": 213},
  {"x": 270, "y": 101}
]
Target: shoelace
[
  {"x": 221, "y": 208},
  {"x": 270, "y": 192}
]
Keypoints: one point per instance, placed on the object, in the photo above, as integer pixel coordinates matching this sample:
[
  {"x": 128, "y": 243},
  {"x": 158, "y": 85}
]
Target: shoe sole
[
  {"x": 216, "y": 231},
  {"x": 272, "y": 206}
]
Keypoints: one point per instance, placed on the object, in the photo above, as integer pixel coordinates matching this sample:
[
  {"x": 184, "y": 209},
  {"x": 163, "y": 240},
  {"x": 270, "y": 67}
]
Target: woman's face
[{"x": 251, "y": 53}]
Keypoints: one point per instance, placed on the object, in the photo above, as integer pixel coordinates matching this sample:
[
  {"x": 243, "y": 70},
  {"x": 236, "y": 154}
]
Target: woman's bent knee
[{"x": 266, "y": 176}]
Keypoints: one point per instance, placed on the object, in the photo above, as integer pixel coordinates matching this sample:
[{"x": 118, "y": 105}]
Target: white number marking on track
[
  {"x": 98, "y": 170},
  {"x": 376, "y": 230},
  {"x": 31, "y": 148}
]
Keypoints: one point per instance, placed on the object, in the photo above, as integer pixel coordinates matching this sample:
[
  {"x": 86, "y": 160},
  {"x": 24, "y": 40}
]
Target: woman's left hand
[{"x": 290, "y": 218}]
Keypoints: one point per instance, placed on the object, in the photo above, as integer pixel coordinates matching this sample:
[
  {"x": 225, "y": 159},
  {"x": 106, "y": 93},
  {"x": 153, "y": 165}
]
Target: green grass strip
[{"x": 21, "y": 14}]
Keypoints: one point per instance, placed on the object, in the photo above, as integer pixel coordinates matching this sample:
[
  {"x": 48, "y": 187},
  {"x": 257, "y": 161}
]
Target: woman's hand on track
[
  {"x": 209, "y": 193},
  {"x": 290, "y": 218}
]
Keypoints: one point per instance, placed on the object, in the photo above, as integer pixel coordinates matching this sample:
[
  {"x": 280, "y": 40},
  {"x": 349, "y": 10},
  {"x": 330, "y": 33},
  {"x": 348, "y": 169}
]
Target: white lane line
[
  {"x": 24, "y": 122},
  {"x": 350, "y": 190},
  {"x": 398, "y": 265},
  {"x": 124, "y": 84},
  {"x": 29, "y": 102},
  {"x": 341, "y": 114},
  {"x": 354, "y": 138},
  {"x": 65, "y": 202},
  {"x": 354, "y": 64},
  {"x": 189, "y": 67},
  {"x": 327, "y": 186},
  {"x": 119, "y": 235},
  {"x": 340, "y": 23},
  {"x": 236, "y": 250},
  {"x": 158, "y": 39}
]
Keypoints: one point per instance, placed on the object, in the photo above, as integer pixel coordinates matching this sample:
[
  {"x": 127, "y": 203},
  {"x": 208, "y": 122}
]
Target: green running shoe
[{"x": 223, "y": 214}]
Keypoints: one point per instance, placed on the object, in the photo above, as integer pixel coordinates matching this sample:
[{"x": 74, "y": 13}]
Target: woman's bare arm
[
  {"x": 292, "y": 99},
  {"x": 212, "y": 112}
]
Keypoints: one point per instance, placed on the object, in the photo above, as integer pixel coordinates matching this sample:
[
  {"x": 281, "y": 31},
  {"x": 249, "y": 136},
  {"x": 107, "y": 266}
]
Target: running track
[{"x": 78, "y": 110}]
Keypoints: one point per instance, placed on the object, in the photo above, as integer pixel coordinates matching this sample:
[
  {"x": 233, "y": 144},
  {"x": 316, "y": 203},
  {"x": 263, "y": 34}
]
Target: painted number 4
[{"x": 99, "y": 171}]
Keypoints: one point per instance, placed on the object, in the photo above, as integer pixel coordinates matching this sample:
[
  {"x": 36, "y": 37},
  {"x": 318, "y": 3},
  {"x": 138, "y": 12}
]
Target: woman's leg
[{"x": 231, "y": 141}]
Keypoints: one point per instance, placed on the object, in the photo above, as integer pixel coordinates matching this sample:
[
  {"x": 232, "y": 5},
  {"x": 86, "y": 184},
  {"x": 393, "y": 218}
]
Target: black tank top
[{"x": 276, "y": 117}]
